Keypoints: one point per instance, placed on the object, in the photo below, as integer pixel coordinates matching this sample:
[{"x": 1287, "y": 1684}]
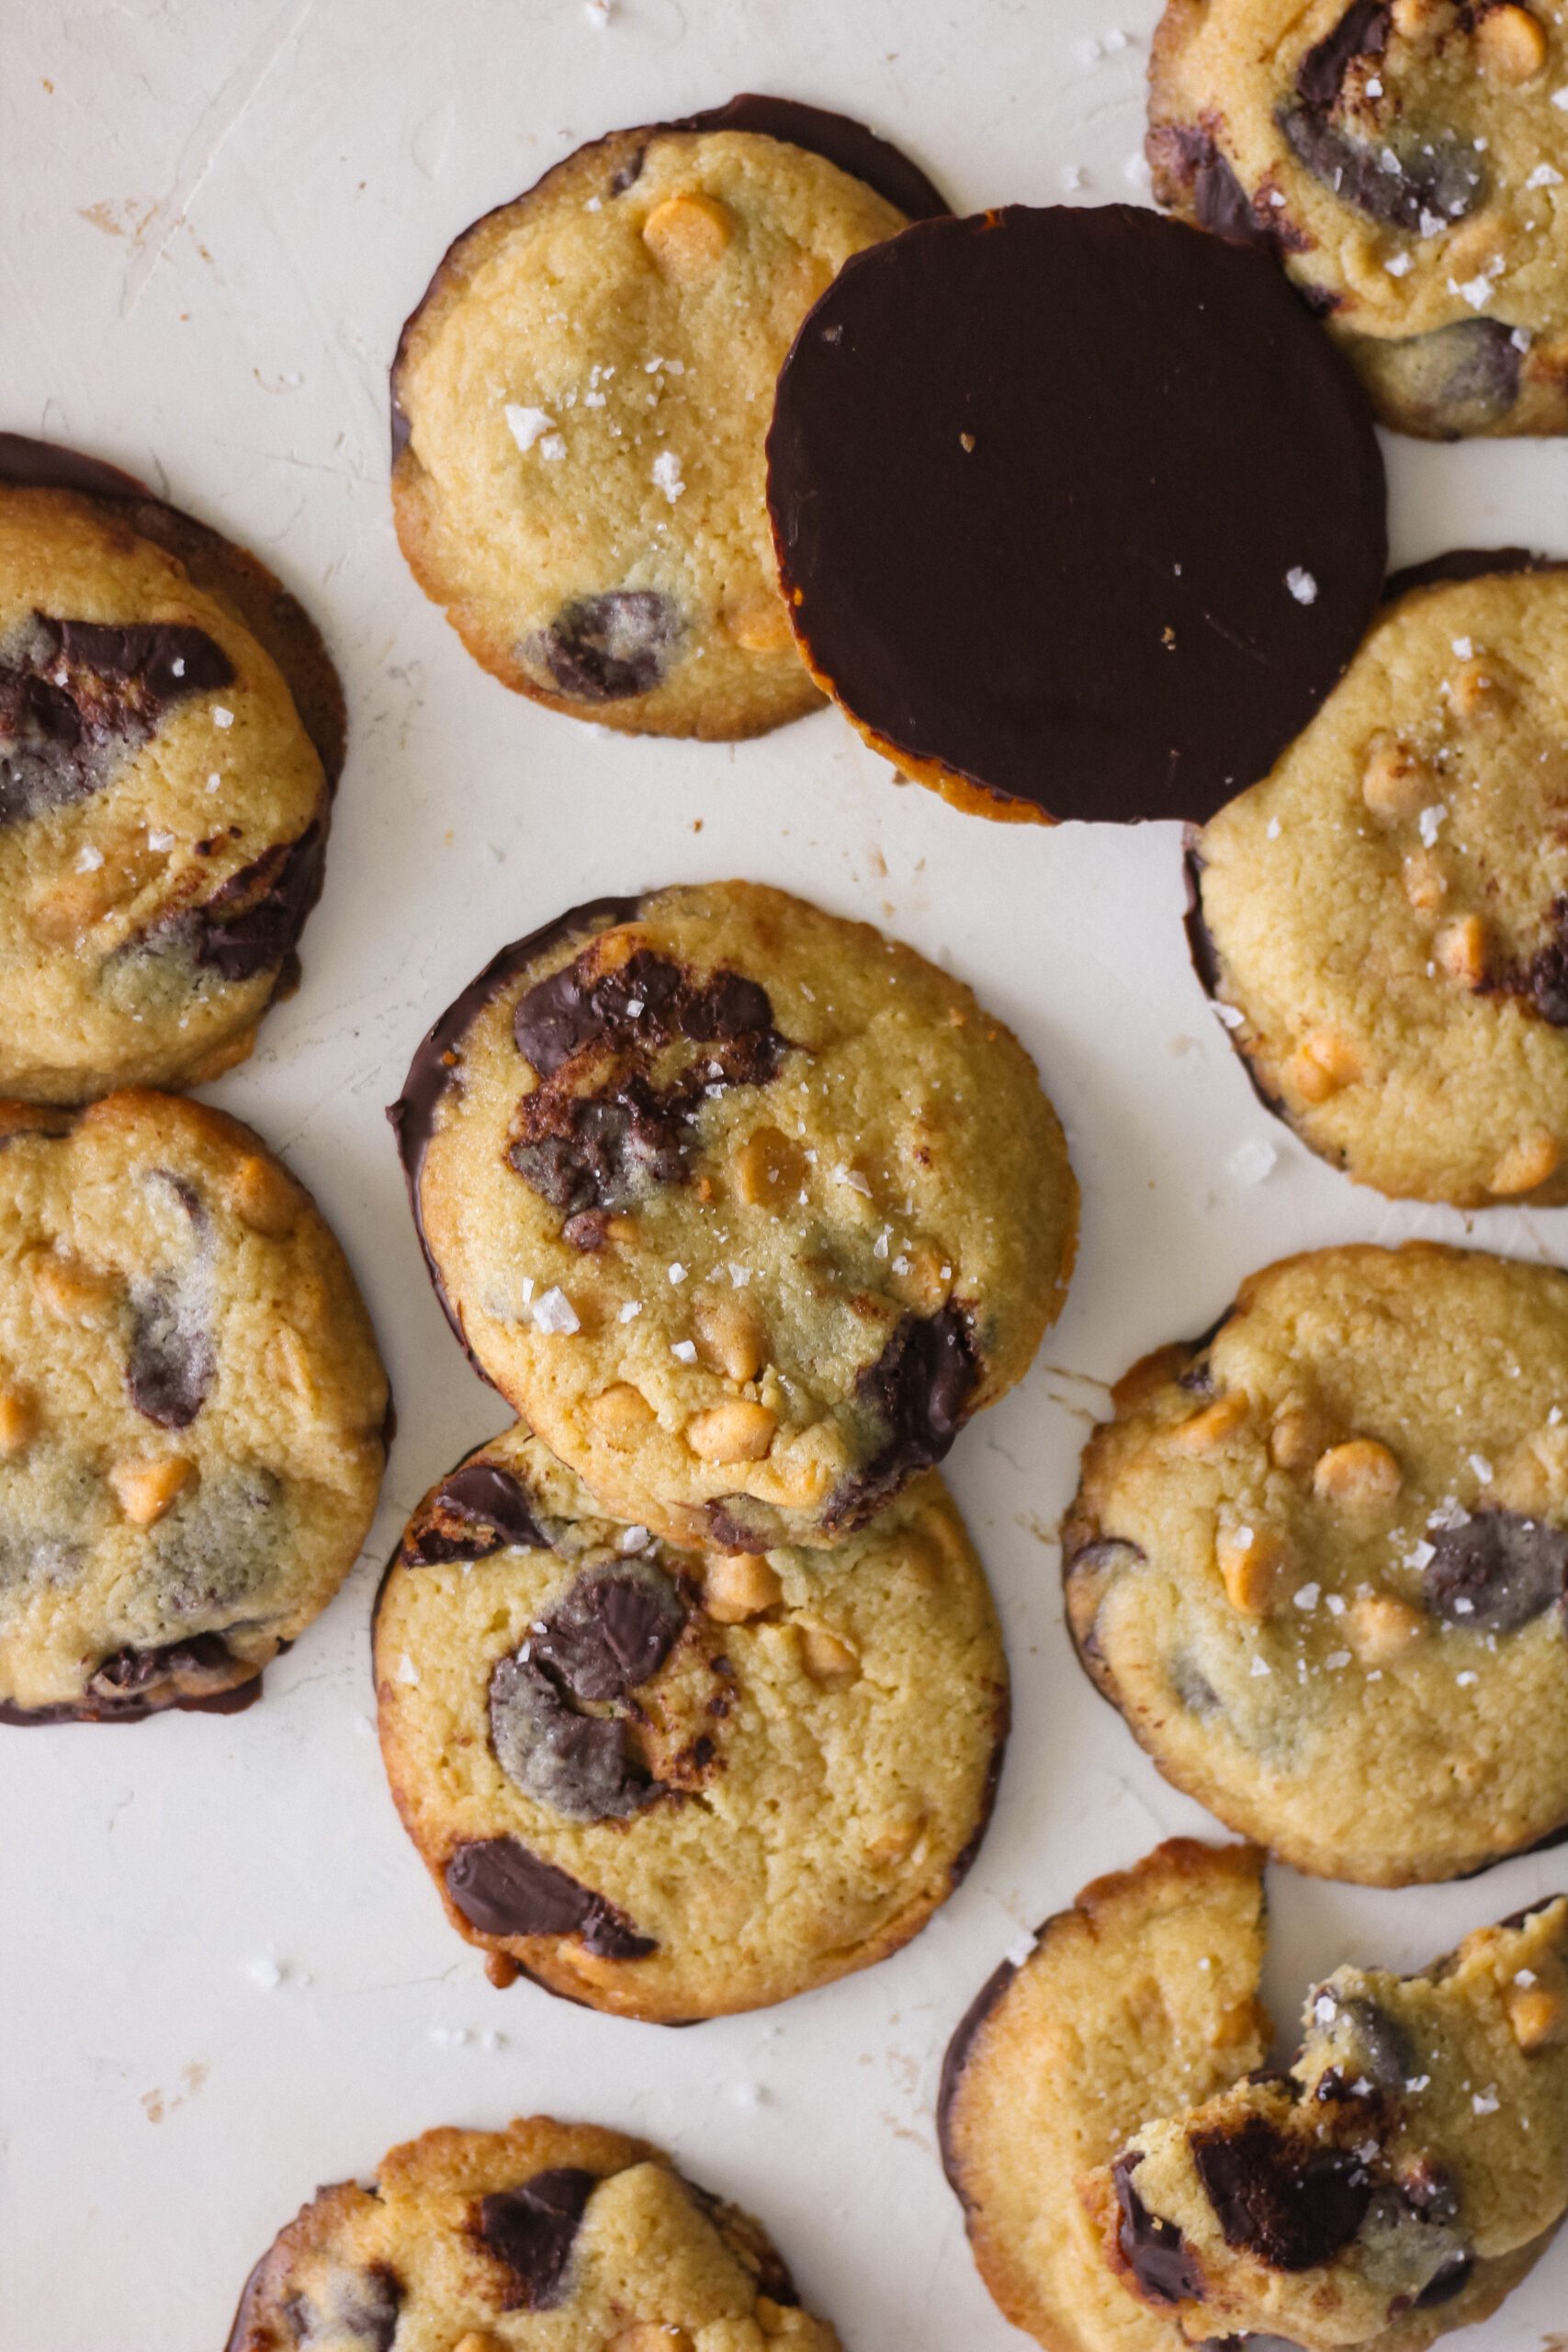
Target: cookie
[
  {"x": 1383, "y": 919},
  {"x": 1403, "y": 164},
  {"x": 578, "y": 406},
  {"x": 1078, "y": 513},
  {"x": 1402, "y": 2173},
  {"x": 1318, "y": 1560},
  {"x": 557, "y": 2235},
  {"x": 744, "y": 1208},
  {"x": 192, "y": 1410},
  {"x": 169, "y": 731},
  {"x": 673, "y": 1783},
  {"x": 1140, "y": 2000}
]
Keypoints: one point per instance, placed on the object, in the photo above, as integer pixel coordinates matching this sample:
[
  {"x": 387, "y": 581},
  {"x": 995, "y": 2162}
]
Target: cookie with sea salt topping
[
  {"x": 170, "y": 730},
  {"x": 1383, "y": 919},
  {"x": 1406, "y": 163},
  {"x": 580, "y": 403},
  {"x": 545, "y": 2237},
  {"x": 1319, "y": 1560},
  {"x": 671, "y": 1782},
  {"x": 1390, "y": 2184},
  {"x": 1141, "y": 1999},
  {"x": 192, "y": 1410},
  {"x": 744, "y": 1208}
]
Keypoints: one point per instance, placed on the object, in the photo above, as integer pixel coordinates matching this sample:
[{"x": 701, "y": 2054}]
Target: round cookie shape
[
  {"x": 1004, "y": 472},
  {"x": 743, "y": 1207},
  {"x": 672, "y": 1784},
  {"x": 1390, "y": 2184},
  {"x": 1404, "y": 162},
  {"x": 580, "y": 403},
  {"x": 1318, "y": 1561},
  {"x": 1383, "y": 919},
  {"x": 192, "y": 1410},
  {"x": 1140, "y": 1999},
  {"x": 169, "y": 731},
  {"x": 540, "y": 2238}
]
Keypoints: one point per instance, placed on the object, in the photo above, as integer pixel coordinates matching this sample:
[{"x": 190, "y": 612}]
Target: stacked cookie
[
  {"x": 745, "y": 1209},
  {"x": 192, "y": 1408}
]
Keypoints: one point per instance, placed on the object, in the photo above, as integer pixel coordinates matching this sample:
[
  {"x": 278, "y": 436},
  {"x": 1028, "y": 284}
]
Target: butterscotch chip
[
  {"x": 1379, "y": 1626},
  {"x": 18, "y": 1419},
  {"x": 264, "y": 1195},
  {"x": 738, "y": 1585},
  {"x": 621, "y": 1414},
  {"x": 826, "y": 1657},
  {"x": 687, "y": 236},
  {"x": 737, "y": 1431},
  {"x": 1358, "y": 1473},
  {"x": 1395, "y": 781},
  {"x": 1251, "y": 1563},
  {"x": 1212, "y": 1425},
  {"x": 1325, "y": 1062},
  {"x": 1512, "y": 44},
  {"x": 146, "y": 1490},
  {"x": 1533, "y": 1160}
]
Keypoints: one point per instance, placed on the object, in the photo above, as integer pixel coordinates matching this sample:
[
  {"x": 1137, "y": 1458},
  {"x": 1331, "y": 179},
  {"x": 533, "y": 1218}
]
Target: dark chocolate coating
[
  {"x": 1463, "y": 563},
  {"x": 1037, "y": 480},
  {"x": 956, "y": 2058},
  {"x": 119, "y": 1700}
]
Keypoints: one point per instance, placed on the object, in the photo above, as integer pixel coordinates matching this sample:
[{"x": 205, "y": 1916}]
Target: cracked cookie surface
[
  {"x": 744, "y": 1208},
  {"x": 672, "y": 1784},
  {"x": 1403, "y": 2171},
  {"x": 580, "y": 404},
  {"x": 191, "y": 1410},
  {"x": 1383, "y": 919},
  {"x": 1317, "y": 1560},
  {"x": 558, "y": 2235},
  {"x": 1407, "y": 161},
  {"x": 163, "y": 806}
]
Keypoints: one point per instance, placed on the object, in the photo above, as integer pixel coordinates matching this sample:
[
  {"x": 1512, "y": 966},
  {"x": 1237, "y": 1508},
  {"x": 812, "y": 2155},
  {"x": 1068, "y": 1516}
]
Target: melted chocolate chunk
[
  {"x": 612, "y": 1630},
  {"x": 1404, "y": 188},
  {"x": 1362, "y": 31},
  {"x": 1546, "y": 980},
  {"x": 1496, "y": 1572},
  {"x": 1375, "y": 2046},
  {"x": 533, "y": 2230},
  {"x": 595, "y": 1153},
  {"x": 77, "y": 698},
  {"x": 356, "y": 2310},
  {"x": 583, "y": 1767},
  {"x": 577, "y": 1007},
  {"x": 1187, "y": 162},
  {"x": 1155, "y": 2251},
  {"x": 478, "y": 1510},
  {"x": 603, "y": 649},
  {"x": 503, "y": 1890},
  {"x": 1446, "y": 2283},
  {"x": 916, "y": 1389},
  {"x": 254, "y": 920},
  {"x": 1035, "y": 392},
  {"x": 127, "y": 1674},
  {"x": 171, "y": 1363},
  {"x": 1293, "y": 2207}
]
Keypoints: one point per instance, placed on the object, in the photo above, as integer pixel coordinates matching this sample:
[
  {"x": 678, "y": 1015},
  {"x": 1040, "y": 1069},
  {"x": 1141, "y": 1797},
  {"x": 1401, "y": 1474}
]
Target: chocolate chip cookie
[
  {"x": 1318, "y": 1560},
  {"x": 1383, "y": 919},
  {"x": 1010, "y": 471},
  {"x": 1403, "y": 161},
  {"x": 580, "y": 403},
  {"x": 1141, "y": 1999},
  {"x": 669, "y": 1782},
  {"x": 191, "y": 1410},
  {"x": 744, "y": 1208},
  {"x": 169, "y": 731},
  {"x": 544, "y": 2235},
  {"x": 1401, "y": 2174}
]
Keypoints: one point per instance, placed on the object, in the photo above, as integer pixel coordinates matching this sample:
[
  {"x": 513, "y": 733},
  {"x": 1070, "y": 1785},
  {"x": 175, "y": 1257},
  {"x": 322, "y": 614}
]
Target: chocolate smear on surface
[
  {"x": 503, "y": 1890},
  {"x": 977, "y": 423}
]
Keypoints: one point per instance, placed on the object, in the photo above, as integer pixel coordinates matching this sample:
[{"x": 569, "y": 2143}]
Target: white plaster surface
[{"x": 225, "y": 1975}]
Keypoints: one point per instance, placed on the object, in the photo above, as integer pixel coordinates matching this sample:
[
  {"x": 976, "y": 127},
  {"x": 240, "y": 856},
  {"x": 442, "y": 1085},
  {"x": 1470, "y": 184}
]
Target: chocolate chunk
[
  {"x": 1114, "y": 376},
  {"x": 129, "y": 1673},
  {"x": 1294, "y": 2207},
  {"x": 77, "y": 698},
  {"x": 478, "y": 1510},
  {"x": 726, "y": 1006},
  {"x": 612, "y": 1630},
  {"x": 1404, "y": 187},
  {"x": 1155, "y": 2251},
  {"x": 533, "y": 2229},
  {"x": 576, "y": 1007},
  {"x": 591, "y": 1152},
  {"x": 503, "y": 1890},
  {"x": 254, "y": 920},
  {"x": 1546, "y": 981},
  {"x": 1496, "y": 1572},
  {"x": 1374, "y": 2046},
  {"x": 581, "y": 1766},
  {"x": 354, "y": 2311},
  {"x": 1362, "y": 31},
  {"x": 1482, "y": 370},
  {"x": 1446, "y": 2283},
  {"x": 172, "y": 1361},
  {"x": 603, "y": 649},
  {"x": 917, "y": 1391},
  {"x": 1194, "y": 1690}
]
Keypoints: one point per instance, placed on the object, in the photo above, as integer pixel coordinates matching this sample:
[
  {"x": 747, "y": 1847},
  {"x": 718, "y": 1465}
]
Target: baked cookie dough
[
  {"x": 1401, "y": 2174},
  {"x": 1318, "y": 1561},
  {"x": 1405, "y": 164},
  {"x": 673, "y": 1783},
  {"x": 545, "y": 2237},
  {"x": 580, "y": 403},
  {"x": 169, "y": 731},
  {"x": 1078, "y": 513},
  {"x": 744, "y": 1208},
  {"x": 1383, "y": 919},
  {"x": 1141, "y": 2000},
  {"x": 192, "y": 1410}
]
